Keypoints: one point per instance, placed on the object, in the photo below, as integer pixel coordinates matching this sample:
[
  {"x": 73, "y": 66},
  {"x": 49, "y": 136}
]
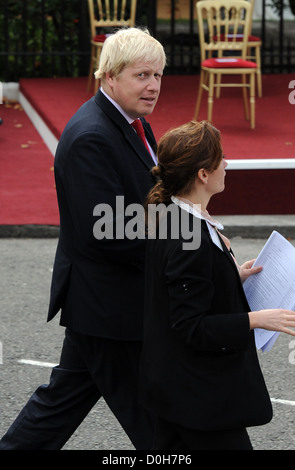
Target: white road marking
[
  {"x": 51, "y": 364},
  {"x": 283, "y": 402},
  {"x": 37, "y": 363}
]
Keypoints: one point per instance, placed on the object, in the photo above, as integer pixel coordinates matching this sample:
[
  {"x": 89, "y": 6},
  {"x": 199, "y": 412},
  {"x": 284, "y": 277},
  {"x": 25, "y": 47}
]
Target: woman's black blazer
[{"x": 199, "y": 366}]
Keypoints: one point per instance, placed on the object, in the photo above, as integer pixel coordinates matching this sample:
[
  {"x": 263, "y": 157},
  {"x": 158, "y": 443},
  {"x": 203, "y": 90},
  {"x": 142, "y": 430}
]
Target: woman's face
[{"x": 216, "y": 179}]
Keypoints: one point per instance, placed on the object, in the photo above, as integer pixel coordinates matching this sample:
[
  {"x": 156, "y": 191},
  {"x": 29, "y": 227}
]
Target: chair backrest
[
  {"x": 111, "y": 14},
  {"x": 252, "y": 3},
  {"x": 228, "y": 23}
]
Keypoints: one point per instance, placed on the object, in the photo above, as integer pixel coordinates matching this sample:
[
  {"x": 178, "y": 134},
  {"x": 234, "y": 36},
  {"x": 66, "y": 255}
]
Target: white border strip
[
  {"x": 261, "y": 164},
  {"x": 46, "y": 134}
]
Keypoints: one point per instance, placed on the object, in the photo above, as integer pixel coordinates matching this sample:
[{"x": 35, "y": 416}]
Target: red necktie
[{"x": 137, "y": 125}]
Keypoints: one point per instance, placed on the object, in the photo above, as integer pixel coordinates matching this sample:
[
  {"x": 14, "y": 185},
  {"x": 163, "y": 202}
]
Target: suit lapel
[
  {"x": 121, "y": 123},
  {"x": 138, "y": 145},
  {"x": 149, "y": 135},
  {"x": 226, "y": 251},
  {"x": 228, "y": 254}
]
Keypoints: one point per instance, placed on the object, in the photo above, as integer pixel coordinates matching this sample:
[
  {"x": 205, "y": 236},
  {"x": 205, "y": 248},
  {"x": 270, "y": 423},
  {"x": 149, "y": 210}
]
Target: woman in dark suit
[{"x": 200, "y": 373}]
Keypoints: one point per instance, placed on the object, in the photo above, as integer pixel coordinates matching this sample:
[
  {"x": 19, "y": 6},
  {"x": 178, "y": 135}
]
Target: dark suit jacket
[
  {"x": 199, "y": 365},
  {"x": 98, "y": 284}
]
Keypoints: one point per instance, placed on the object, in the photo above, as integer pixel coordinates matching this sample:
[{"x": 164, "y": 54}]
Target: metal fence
[
  {"x": 42, "y": 39},
  {"x": 47, "y": 38},
  {"x": 180, "y": 38}
]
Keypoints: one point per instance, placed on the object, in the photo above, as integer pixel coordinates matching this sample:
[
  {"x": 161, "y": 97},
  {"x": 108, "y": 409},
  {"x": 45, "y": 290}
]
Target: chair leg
[
  {"x": 210, "y": 96},
  {"x": 90, "y": 75},
  {"x": 258, "y": 73},
  {"x": 218, "y": 88},
  {"x": 96, "y": 85},
  {"x": 259, "y": 83},
  {"x": 199, "y": 97},
  {"x": 95, "y": 54},
  {"x": 97, "y": 82},
  {"x": 252, "y": 100},
  {"x": 245, "y": 97}
]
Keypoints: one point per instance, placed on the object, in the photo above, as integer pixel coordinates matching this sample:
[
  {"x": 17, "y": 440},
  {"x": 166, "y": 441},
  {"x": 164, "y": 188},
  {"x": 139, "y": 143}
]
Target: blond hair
[{"x": 127, "y": 46}]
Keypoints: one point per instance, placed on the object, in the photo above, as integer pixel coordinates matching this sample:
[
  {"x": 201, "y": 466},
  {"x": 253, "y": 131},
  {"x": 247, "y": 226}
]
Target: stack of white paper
[{"x": 274, "y": 286}]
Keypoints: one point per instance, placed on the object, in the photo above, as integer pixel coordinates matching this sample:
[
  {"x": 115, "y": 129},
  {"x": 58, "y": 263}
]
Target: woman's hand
[
  {"x": 273, "y": 319},
  {"x": 247, "y": 270}
]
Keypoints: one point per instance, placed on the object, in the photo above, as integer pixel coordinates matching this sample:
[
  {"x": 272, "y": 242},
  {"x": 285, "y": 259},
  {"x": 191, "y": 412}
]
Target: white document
[{"x": 274, "y": 286}]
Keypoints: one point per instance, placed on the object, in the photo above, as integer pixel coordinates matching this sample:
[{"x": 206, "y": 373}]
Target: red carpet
[
  {"x": 27, "y": 190},
  {"x": 27, "y": 184},
  {"x": 274, "y": 135},
  {"x": 56, "y": 100}
]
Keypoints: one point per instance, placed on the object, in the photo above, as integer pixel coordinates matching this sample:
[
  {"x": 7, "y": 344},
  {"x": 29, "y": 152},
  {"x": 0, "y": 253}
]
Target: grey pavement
[
  {"x": 253, "y": 226},
  {"x": 25, "y": 275},
  {"x": 258, "y": 226}
]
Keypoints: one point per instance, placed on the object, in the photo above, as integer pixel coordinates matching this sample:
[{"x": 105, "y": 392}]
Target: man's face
[{"x": 136, "y": 89}]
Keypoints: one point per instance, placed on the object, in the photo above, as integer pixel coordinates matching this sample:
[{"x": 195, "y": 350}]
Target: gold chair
[
  {"x": 105, "y": 16},
  {"x": 254, "y": 44},
  {"x": 224, "y": 51}
]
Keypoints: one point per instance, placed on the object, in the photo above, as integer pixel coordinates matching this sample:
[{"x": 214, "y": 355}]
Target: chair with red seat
[
  {"x": 105, "y": 16},
  {"x": 224, "y": 51},
  {"x": 254, "y": 44}
]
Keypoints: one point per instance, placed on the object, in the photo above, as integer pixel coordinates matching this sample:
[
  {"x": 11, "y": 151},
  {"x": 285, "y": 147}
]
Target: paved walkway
[{"x": 245, "y": 226}]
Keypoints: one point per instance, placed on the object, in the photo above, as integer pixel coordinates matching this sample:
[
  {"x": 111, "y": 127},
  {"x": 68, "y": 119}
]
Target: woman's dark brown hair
[{"x": 182, "y": 152}]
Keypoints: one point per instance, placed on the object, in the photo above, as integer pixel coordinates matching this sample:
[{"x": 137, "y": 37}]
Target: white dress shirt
[
  {"x": 129, "y": 119},
  {"x": 195, "y": 209}
]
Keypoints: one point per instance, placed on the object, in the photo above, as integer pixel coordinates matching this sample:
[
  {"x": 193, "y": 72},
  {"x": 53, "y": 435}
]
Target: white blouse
[{"x": 196, "y": 210}]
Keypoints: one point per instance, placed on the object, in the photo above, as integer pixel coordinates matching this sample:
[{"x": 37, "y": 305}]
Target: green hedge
[{"x": 40, "y": 38}]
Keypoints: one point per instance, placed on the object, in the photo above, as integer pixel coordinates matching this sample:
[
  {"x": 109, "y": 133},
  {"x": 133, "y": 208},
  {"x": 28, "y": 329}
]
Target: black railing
[
  {"x": 180, "y": 39},
  {"x": 42, "y": 38},
  {"x": 278, "y": 39},
  {"x": 47, "y": 38}
]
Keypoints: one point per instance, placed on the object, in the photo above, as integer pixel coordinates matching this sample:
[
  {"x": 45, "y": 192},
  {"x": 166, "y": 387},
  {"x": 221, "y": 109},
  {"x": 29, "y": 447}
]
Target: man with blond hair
[{"x": 98, "y": 281}]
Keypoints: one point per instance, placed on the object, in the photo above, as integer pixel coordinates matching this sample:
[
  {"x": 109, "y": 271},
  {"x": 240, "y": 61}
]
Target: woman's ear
[{"x": 203, "y": 175}]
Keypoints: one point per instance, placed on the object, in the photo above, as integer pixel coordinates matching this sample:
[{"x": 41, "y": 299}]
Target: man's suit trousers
[{"x": 90, "y": 368}]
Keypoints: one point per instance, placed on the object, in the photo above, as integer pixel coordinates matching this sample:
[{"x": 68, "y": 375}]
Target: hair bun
[
  {"x": 156, "y": 172},
  {"x": 161, "y": 166}
]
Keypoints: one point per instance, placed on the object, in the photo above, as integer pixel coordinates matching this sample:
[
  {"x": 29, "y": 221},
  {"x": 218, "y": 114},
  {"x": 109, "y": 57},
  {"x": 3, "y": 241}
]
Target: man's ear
[{"x": 109, "y": 79}]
